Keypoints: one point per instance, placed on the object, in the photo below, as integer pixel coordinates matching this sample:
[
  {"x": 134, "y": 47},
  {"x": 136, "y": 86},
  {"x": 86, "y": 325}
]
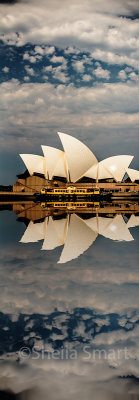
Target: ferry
[
  {"x": 70, "y": 205},
  {"x": 69, "y": 191}
]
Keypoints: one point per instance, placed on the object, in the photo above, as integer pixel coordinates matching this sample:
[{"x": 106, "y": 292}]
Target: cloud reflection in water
[{"x": 91, "y": 301}]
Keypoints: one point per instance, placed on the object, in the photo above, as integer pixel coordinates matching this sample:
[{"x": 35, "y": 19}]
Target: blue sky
[{"x": 71, "y": 67}]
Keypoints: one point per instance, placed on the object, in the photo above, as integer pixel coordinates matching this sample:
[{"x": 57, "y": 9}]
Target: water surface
[{"x": 68, "y": 330}]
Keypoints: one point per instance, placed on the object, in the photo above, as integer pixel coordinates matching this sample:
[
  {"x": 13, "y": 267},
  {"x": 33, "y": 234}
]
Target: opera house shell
[{"x": 76, "y": 162}]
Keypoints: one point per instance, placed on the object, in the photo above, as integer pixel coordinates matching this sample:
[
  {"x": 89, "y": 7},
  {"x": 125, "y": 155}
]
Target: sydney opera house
[{"x": 77, "y": 163}]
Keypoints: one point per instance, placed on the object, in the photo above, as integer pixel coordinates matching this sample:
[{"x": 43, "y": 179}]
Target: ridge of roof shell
[
  {"x": 133, "y": 174},
  {"x": 34, "y": 163},
  {"x": 112, "y": 167},
  {"x": 79, "y": 157},
  {"x": 55, "y": 161}
]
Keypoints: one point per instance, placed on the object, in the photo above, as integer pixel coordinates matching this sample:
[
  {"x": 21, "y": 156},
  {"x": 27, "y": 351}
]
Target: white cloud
[
  {"x": 71, "y": 50},
  {"x": 49, "y": 68},
  {"x": 49, "y": 50},
  {"x": 122, "y": 75},
  {"x": 26, "y": 56},
  {"x": 78, "y": 66},
  {"x": 26, "y": 78},
  {"x": 59, "y": 60},
  {"x": 96, "y": 25},
  {"x": 39, "y": 50},
  {"x": 133, "y": 76},
  {"x": 59, "y": 74},
  {"x": 29, "y": 70},
  {"x": 108, "y": 111},
  {"x": 30, "y": 58},
  {"x": 112, "y": 57},
  {"x": 101, "y": 73},
  {"x": 86, "y": 78},
  {"x": 6, "y": 69}
]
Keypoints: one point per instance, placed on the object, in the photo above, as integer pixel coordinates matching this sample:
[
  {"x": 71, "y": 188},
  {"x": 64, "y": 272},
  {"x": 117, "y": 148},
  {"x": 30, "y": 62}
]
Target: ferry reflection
[{"x": 76, "y": 225}]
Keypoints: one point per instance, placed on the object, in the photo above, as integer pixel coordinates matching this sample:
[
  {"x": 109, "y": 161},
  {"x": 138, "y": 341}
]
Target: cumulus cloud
[
  {"x": 39, "y": 50},
  {"x": 49, "y": 68},
  {"x": 29, "y": 70},
  {"x": 78, "y": 66},
  {"x": 60, "y": 75},
  {"x": 101, "y": 73},
  {"x": 96, "y": 25},
  {"x": 87, "y": 78},
  {"x": 58, "y": 60},
  {"x": 30, "y": 58},
  {"x": 49, "y": 50},
  {"x": 122, "y": 75},
  {"x": 133, "y": 76},
  {"x": 112, "y": 57},
  {"x": 26, "y": 78},
  {"x": 108, "y": 113},
  {"x": 5, "y": 69},
  {"x": 72, "y": 50}
]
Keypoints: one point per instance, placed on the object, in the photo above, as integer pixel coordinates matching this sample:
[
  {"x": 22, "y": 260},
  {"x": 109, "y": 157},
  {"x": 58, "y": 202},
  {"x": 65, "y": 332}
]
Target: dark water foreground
[{"x": 69, "y": 330}]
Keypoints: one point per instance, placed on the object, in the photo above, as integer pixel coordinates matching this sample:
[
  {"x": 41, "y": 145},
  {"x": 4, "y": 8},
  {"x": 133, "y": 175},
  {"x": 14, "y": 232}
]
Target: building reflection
[
  {"x": 75, "y": 226},
  {"x": 88, "y": 309}
]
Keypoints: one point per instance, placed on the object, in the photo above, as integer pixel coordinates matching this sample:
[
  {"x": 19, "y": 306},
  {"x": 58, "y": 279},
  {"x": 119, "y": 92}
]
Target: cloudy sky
[{"x": 71, "y": 67}]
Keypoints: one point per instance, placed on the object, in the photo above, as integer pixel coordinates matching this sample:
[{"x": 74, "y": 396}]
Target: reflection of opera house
[
  {"x": 77, "y": 234},
  {"x": 75, "y": 164}
]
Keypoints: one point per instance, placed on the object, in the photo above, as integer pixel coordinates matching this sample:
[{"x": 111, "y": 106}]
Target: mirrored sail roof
[
  {"x": 55, "y": 234},
  {"x": 79, "y": 238},
  {"x": 34, "y": 232},
  {"x": 77, "y": 234},
  {"x": 133, "y": 221},
  {"x": 118, "y": 230},
  {"x": 98, "y": 224}
]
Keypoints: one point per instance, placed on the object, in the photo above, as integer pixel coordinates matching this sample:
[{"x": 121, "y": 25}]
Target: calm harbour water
[{"x": 68, "y": 330}]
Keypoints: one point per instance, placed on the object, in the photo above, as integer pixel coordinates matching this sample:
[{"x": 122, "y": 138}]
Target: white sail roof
[
  {"x": 79, "y": 238},
  {"x": 118, "y": 230},
  {"x": 55, "y": 161},
  {"x": 34, "y": 163},
  {"x": 133, "y": 174},
  {"x": 98, "y": 171},
  {"x": 56, "y": 234},
  {"x": 133, "y": 221},
  {"x": 117, "y": 165},
  {"x": 34, "y": 232},
  {"x": 103, "y": 173},
  {"x": 79, "y": 157}
]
